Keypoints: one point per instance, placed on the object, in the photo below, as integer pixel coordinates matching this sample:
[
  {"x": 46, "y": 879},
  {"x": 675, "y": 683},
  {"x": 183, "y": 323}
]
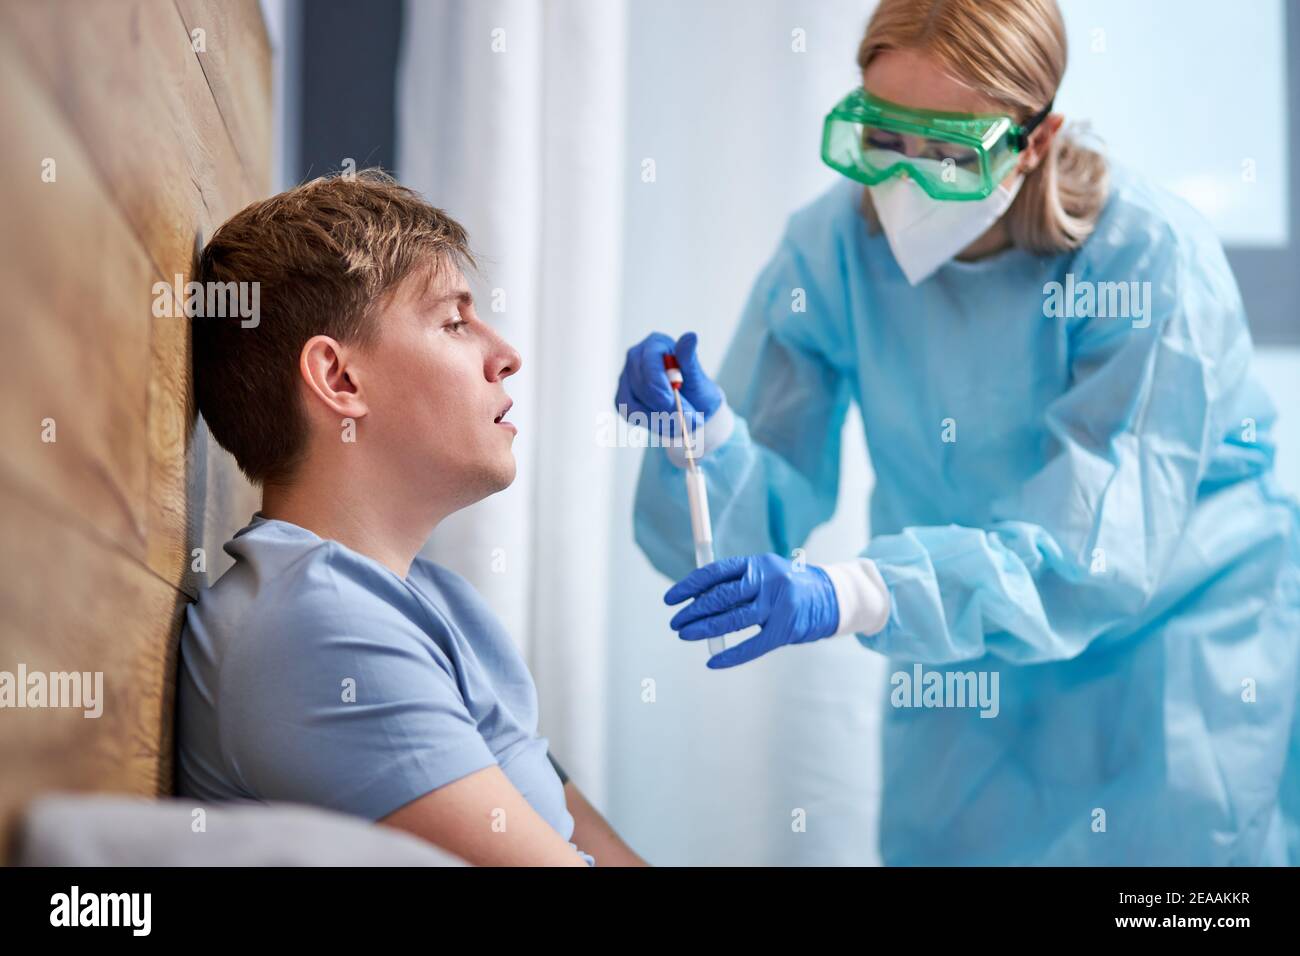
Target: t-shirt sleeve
[
  {"x": 559, "y": 771},
  {"x": 354, "y": 709}
]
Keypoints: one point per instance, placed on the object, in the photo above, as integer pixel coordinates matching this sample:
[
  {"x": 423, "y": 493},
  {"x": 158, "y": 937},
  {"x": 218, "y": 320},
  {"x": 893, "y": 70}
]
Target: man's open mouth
[{"x": 500, "y": 417}]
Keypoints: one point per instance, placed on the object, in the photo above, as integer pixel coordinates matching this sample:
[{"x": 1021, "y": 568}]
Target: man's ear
[
  {"x": 1040, "y": 141},
  {"x": 326, "y": 367}
]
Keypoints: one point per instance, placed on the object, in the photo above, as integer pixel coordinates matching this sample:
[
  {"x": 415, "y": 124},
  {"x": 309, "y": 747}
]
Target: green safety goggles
[{"x": 959, "y": 156}]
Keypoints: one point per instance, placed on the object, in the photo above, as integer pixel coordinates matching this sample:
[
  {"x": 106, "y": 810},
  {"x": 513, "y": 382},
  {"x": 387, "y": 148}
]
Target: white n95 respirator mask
[{"x": 924, "y": 233}]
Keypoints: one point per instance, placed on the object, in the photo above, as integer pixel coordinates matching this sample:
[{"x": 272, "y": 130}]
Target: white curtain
[{"x": 531, "y": 123}]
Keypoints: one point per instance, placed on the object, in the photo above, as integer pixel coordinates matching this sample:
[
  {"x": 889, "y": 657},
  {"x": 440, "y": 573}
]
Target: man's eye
[{"x": 457, "y": 325}]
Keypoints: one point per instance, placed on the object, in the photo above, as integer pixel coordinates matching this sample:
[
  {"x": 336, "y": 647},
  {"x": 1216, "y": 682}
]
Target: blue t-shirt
[{"x": 310, "y": 673}]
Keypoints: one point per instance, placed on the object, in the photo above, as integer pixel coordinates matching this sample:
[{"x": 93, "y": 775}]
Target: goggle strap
[{"x": 1022, "y": 140}]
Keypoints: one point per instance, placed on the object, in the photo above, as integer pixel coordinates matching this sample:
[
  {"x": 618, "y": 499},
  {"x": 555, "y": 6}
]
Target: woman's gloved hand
[
  {"x": 792, "y": 605},
  {"x": 643, "y": 385}
]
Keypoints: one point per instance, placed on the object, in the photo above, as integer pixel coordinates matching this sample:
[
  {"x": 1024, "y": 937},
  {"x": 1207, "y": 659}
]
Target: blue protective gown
[{"x": 1083, "y": 504}]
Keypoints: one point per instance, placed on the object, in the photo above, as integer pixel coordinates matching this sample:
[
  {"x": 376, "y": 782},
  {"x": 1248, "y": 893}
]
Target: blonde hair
[{"x": 1014, "y": 53}]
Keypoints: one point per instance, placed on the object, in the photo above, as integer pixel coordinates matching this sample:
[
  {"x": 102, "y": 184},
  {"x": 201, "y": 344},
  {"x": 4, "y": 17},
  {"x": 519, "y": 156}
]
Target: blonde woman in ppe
[{"x": 1074, "y": 483}]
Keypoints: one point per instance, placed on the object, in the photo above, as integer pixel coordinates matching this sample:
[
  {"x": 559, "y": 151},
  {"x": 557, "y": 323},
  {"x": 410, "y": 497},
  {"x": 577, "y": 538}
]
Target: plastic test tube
[
  {"x": 696, "y": 492},
  {"x": 702, "y": 532}
]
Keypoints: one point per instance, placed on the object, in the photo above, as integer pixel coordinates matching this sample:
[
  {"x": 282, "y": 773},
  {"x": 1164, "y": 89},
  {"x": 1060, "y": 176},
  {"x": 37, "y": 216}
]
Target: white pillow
[{"x": 69, "y": 829}]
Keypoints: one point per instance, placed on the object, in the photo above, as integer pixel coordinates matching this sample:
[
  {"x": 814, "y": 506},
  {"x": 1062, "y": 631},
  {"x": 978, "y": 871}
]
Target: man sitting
[{"x": 330, "y": 665}]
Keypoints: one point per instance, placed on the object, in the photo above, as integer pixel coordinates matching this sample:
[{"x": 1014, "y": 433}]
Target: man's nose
[{"x": 502, "y": 360}]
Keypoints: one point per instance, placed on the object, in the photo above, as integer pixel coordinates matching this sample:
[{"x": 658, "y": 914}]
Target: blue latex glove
[
  {"x": 643, "y": 385},
  {"x": 792, "y": 606}
]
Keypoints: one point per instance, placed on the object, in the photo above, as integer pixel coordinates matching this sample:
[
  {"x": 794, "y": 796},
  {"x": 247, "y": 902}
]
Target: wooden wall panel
[
  {"x": 151, "y": 126},
  {"x": 76, "y": 301},
  {"x": 144, "y": 112},
  {"x": 73, "y": 604},
  {"x": 155, "y": 146},
  {"x": 236, "y": 62}
]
